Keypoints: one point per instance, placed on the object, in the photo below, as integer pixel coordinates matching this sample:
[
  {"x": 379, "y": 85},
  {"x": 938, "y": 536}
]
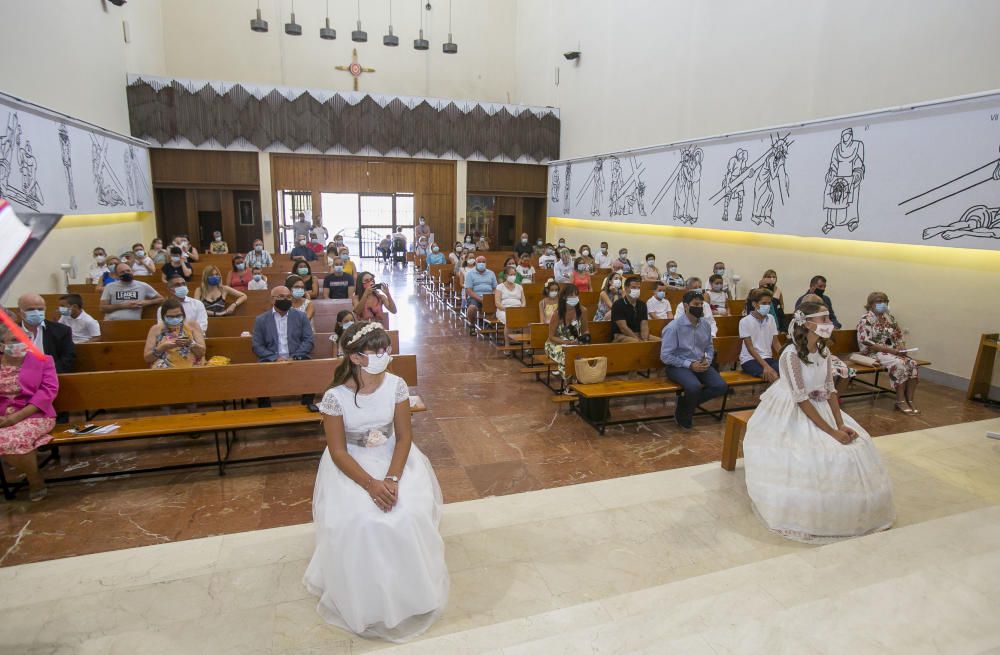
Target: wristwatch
[{"x": 392, "y": 478}]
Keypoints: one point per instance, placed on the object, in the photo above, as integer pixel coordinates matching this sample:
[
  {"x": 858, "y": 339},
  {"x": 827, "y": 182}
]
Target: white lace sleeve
[
  {"x": 330, "y": 405},
  {"x": 790, "y": 370},
  {"x": 830, "y": 386},
  {"x": 402, "y": 391}
]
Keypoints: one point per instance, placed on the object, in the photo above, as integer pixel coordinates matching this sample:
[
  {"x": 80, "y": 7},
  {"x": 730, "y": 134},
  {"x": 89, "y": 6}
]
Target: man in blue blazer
[{"x": 281, "y": 334}]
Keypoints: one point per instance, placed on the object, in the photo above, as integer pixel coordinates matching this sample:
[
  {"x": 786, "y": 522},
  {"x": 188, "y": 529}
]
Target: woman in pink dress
[
  {"x": 28, "y": 387},
  {"x": 373, "y": 300}
]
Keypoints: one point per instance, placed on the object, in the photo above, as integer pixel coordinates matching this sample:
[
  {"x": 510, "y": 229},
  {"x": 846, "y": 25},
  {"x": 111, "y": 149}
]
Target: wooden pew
[
  {"x": 218, "y": 326},
  {"x": 642, "y": 356},
  {"x": 127, "y": 355},
  {"x": 256, "y": 302},
  {"x": 81, "y": 392}
]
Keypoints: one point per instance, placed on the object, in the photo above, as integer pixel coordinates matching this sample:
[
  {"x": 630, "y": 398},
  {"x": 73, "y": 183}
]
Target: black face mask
[
  {"x": 125, "y": 277},
  {"x": 283, "y": 305},
  {"x": 820, "y": 292},
  {"x": 697, "y": 312}
]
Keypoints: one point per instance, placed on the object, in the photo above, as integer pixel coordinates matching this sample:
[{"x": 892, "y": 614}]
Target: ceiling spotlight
[
  {"x": 390, "y": 39},
  {"x": 421, "y": 43},
  {"x": 293, "y": 28},
  {"x": 359, "y": 35},
  {"x": 327, "y": 33},
  {"x": 258, "y": 24},
  {"x": 450, "y": 47}
]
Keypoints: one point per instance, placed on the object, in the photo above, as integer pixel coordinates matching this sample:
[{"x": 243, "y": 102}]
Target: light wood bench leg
[{"x": 735, "y": 428}]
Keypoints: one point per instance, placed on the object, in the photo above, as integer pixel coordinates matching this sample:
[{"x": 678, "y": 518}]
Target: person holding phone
[
  {"x": 812, "y": 472},
  {"x": 174, "y": 343},
  {"x": 687, "y": 352},
  {"x": 374, "y": 301}
]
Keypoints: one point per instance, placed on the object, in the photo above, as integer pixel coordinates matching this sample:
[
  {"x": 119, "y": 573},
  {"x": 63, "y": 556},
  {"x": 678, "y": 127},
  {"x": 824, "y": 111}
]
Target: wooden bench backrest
[
  {"x": 736, "y": 307},
  {"x": 844, "y": 342},
  {"x": 149, "y": 387},
  {"x": 622, "y": 357},
  {"x": 727, "y": 351},
  {"x": 600, "y": 331},
  {"x": 256, "y": 302},
  {"x": 126, "y": 355},
  {"x": 222, "y": 326},
  {"x": 729, "y": 326}
]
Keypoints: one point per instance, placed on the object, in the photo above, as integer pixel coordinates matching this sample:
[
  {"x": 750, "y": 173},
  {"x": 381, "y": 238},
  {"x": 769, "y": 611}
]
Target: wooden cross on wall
[{"x": 355, "y": 68}]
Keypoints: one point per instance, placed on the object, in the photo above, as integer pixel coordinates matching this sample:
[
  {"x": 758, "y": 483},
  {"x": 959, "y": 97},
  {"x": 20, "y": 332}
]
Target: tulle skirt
[
  {"x": 378, "y": 574},
  {"x": 806, "y": 485}
]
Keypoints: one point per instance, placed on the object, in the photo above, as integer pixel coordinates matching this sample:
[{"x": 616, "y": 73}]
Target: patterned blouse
[{"x": 882, "y": 331}]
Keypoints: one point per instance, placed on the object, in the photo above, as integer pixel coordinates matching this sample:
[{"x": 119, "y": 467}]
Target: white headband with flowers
[
  {"x": 371, "y": 327},
  {"x": 798, "y": 318}
]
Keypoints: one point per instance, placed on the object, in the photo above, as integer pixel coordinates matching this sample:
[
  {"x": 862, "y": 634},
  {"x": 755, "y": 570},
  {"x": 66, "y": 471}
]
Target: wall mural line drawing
[
  {"x": 554, "y": 195},
  {"x": 927, "y": 174},
  {"x": 39, "y": 172}
]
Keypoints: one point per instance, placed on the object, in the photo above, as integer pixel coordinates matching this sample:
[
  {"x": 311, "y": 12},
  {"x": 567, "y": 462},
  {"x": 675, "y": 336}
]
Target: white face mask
[
  {"x": 634, "y": 293},
  {"x": 764, "y": 310},
  {"x": 553, "y": 294},
  {"x": 824, "y": 330},
  {"x": 585, "y": 253},
  {"x": 650, "y": 262},
  {"x": 573, "y": 301},
  {"x": 377, "y": 363},
  {"x": 617, "y": 284},
  {"x": 671, "y": 269}
]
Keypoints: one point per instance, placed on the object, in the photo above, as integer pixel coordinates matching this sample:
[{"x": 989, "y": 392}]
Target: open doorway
[{"x": 364, "y": 219}]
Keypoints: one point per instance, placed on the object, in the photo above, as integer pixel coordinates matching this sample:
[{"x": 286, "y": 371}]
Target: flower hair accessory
[
  {"x": 798, "y": 318},
  {"x": 371, "y": 327}
]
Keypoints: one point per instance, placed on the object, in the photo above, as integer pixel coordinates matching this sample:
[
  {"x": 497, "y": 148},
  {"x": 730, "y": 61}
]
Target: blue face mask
[
  {"x": 173, "y": 321},
  {"x": 481, "y": 267},
  {"x": 213, "y": 280},
  {"x": 181, "y": 291},
  {"x": 34, "y": 317},
  {"x": 345, "y": 325},
  {"x": 64, "y": 311},
  {"x": 298, "y": 293},
  {"x": 881, "y": 307},
  {"x": 241, "y": 267},
  {"x": 660, "y": 295}
]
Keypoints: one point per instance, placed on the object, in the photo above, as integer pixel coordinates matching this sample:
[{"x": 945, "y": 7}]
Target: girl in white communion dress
[
  {"x": 812, "y": 472},
  {"x": 379, "y": 566}
]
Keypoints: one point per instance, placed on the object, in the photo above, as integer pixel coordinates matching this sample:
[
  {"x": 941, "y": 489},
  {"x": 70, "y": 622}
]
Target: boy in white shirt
[
  {"x": 548, "y": 260},
  {"x": 602, "y": 259},
  {"x": 658, "y": 306},
  {"x": 526, "y": 270},
  {"x": 84, "y": 326},
  {"x": 258, "y": 282},
  {"x": 759, "y": 332}
]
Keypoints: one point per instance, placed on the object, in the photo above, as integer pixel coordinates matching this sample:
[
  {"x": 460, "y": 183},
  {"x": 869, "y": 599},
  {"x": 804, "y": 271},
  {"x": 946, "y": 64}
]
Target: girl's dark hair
[
  {"x": 339, "y": 330},
  {"x": 172, "y": 303},
  {"x": 510, "y": 261},
  {"x": 377, "y": 339},
  {"x": 567, "y": 291},
  {"x": 361, "y": 276},
  {"x": 800, "y": 333},
  {"x": 292, "y": 279},
  {"x": 235, "y": 257}
]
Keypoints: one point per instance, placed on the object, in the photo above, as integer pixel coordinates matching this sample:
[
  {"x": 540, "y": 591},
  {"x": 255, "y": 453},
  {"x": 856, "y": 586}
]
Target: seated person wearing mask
[
  {"x": 717, "y": 297},
  {"x": 563, "y": 269},
  {"x": 658, "y": 306},
  {"x": 694, "y": 284},
  {"x": 218, "y": 246},
  {"x": 258, "y": 257},
  {"x": 603, "y": 259},
  {"x": 759, "y": 331},
  {"x": 176, "y": 266},
  {"x": 194, "y": 310},
  {"x": 302, "y": 251},
  {"x": 548, "y": 258},
  {"x": 338, "y": 285},
  {"x": 478, "y": 282},
  {"x": 258, "y": 281},
  {"x": 687, "y": 353},
  {"x": 95, "y": 275},
  {"x": 626, "y": 264},
  {"x": 280, "y": 335},
  {"x": 84, "y": 327},
  {"x": 817, "y": 286},
  {"x": 720, "y": 270},
  {"x": 523, "y": 247},
  {"x": 436, "y": 258},
  {"x": 630, "y": 317},
  {"x": 53, "y": 339},
  {"x": 124, "y": 299},
  {"x": 174, "y": 342},
  {"x": 142, "y": 264}
]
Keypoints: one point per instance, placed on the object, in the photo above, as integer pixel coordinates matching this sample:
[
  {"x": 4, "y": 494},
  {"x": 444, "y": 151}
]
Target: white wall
[
  {"x": 70, "y": 55},
  {"x": 655, "y": 71},
  {"x": 212, "y": 40}
]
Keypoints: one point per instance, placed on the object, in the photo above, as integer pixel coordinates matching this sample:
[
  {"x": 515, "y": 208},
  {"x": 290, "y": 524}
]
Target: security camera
[{"x": 572, "y": 55}]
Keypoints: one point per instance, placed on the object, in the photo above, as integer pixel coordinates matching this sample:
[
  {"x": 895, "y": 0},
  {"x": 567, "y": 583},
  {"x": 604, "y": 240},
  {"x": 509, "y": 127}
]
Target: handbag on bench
[{"x": 591, "y": 370}]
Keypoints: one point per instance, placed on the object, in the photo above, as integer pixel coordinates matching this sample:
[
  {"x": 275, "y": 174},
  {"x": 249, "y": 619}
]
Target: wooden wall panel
[
  {"x": 173, "y": 167},
  {"x": 432, "y": 182},
  {"x": 492, "y": 178}
]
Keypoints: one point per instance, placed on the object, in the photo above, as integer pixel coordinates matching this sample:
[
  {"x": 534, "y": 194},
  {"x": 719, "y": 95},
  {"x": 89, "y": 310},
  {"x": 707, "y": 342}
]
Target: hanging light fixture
[
  {"x": 293, "y": 28},
  {"x": 327, "y": 33},
  {"x": 450, "y": 47},
  {"x": 421, "y": 43},
  {"x": 258, "y": 24},
  {"x": 359, "y": 35},
  {"x": 390, "y": 39}
]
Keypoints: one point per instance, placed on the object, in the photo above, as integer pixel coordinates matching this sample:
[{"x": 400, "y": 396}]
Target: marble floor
[
  {"x": 664, "y": 562},
  {"x": 489, "y": 431}
]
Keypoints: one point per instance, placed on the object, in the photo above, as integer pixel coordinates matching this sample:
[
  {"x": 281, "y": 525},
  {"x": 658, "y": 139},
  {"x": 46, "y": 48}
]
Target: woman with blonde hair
[
  {"x": 812, "y": 472},
  {"x": 378, "y": 567},
  {"x": 215, "y": 295}
]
